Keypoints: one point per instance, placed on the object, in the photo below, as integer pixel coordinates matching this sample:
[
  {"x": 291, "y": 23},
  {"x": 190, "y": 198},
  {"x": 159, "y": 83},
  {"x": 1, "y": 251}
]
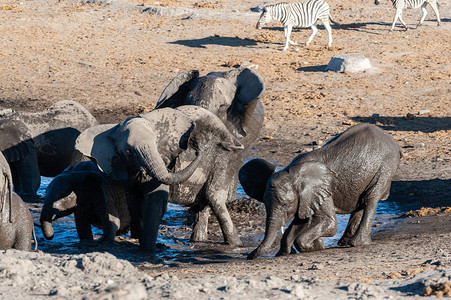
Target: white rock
[{"x": 349, "y": 63}]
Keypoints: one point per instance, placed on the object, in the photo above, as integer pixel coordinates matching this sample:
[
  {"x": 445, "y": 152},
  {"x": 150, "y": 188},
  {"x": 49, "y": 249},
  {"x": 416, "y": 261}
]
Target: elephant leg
[
  {"x": 135, "y": 214},
  {"x": 309, "y": 239},
  {"x": 377, "y": 192},
  {"x": 82, "y": 224},
  {"x": 351, "y": 228},
  {"x": 26, "y": 177},
  {"x": 110, "y": 221},
  {"x": 217, "y": 201},
  {"x": 153, "y": 209},
  {"x": 290, "y": 235},
  {"x": 200, "y": 229}
]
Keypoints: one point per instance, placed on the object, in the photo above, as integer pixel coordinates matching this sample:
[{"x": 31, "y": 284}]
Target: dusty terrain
[{"x": 116, "y": 57}]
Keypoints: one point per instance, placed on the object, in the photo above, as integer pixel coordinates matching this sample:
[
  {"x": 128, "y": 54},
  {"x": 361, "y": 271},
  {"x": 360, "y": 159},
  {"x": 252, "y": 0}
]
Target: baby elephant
[
  {"x": 16, "y": 223},
  {"x": 97, "y": 202},
  {"x": 349, "y": 174}
]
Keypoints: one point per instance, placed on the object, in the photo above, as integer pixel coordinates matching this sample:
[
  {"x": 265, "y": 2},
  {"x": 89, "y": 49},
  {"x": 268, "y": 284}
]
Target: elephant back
[{"x": 15, "y": 140}]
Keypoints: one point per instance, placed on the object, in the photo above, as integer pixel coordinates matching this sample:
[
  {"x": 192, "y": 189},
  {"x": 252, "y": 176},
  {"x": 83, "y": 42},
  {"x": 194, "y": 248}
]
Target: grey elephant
[
  {"x": 18, "y": 147},
  {"x": 53, "y": 131},
  {"x": 349, "y": 174},
  {"x": 97, "y": 201},
  {"x": 141, "y": 152},
  {"x": 233, "y": 96},
  {"x": 16, "y": 223}
]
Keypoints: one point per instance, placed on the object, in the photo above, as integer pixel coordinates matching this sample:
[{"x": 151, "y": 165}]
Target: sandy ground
[{"x": 116, "y": 58}]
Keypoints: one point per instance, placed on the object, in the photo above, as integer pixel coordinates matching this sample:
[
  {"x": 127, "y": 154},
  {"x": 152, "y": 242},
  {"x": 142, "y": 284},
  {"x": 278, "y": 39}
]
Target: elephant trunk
[
  {"x": 153, "y": 164},
  {"x": 46, "y": 220},
  {"x": 58, "y": 200},
  {"x": 275, "y": 218}
]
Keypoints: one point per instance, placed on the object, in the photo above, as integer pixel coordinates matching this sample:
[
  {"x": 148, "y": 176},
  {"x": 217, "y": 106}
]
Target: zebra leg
[
  {"x": 425, "y": 12},
  {"x": 329, "y": 31},
  {"x": 314, "y": 31},
  {"x": 403, "y": 23},
  {"x": 435, "y": 9},
  {"x": 287, "y": 30},
  {"x": 397, "y": 15}
]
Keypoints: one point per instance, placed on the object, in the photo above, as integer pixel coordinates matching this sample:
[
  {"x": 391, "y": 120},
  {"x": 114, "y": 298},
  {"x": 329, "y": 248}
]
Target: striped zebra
[
  {"x": 303, "y": 14},
  {"x": 399, "y": 5}
]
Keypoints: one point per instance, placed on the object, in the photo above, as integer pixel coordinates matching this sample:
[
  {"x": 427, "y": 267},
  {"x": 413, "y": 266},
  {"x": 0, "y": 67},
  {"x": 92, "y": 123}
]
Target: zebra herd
[{"x": 306, "y": 14}]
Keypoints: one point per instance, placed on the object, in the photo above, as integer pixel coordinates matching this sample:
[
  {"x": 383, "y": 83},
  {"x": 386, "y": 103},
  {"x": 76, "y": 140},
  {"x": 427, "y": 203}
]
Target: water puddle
[{"x": 174, "y": 235}]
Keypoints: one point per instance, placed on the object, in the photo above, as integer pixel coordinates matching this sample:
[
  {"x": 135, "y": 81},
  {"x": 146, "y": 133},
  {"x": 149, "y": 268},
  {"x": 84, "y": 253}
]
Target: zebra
[
  {"x": 400, "y": 4},
  {"x": 303, "y": 14}
]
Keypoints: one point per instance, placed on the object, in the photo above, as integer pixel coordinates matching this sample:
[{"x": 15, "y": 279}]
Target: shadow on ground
[{"x": 408, "y": 123}]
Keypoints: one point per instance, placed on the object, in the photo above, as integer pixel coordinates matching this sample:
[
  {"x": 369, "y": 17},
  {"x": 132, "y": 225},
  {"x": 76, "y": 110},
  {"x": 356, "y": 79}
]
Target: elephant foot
[
  {"x": 198, "y": 236},
  {"x": 344, "y": 242},
  {"x": 359, "y": 241},
  {"x": 285, "y": 252},
  {"x": 254, "y": 254},
  {"x": 233, "y": 240},
  {"x": 316, "y": 245}
]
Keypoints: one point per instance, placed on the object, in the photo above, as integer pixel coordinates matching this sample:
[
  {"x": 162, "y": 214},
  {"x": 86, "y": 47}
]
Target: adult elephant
[
  {"x": 99, "y": 202},
  {"x": 233, "y": 96},
  {"x": 140, "y": 151},
  {"x": 53, "y": 131},
  {"x": 18, "y": 147},
  {"x": 349, "y": 174}
]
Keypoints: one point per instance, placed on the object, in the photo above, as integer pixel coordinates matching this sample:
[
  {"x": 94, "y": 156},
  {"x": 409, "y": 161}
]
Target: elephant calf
[
  {"x": 349, "y": 174},
  {"x": 98, "y": 202}
]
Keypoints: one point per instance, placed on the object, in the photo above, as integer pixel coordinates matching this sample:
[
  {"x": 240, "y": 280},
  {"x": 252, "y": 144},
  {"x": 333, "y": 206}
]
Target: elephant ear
[
  {"x": 250, "y": 87},
  {"x": 98, "y": 143},
  {"x": 16, "y": 142},
  {"x": 254, "y": 175},
  {"x": 175, "y": 93},
  {"x": 315, "y": 185}
]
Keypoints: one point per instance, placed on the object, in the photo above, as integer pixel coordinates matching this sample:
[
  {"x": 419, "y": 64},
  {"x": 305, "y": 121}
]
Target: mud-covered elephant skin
[
  {"x": 142, "y": 151},
  {"x": 234, "y": 97},
  {"x": 18, "y": 147},
  {"x": 349, "y": 174},
  {"x": 53, "y": 132},
  {"x": 97, "y": 202},
  {"x": 16, "y": 223}
]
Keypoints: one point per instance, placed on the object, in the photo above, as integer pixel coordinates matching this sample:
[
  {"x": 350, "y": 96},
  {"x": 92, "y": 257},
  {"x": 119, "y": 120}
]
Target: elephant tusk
[{"x": 282, "y": 229}]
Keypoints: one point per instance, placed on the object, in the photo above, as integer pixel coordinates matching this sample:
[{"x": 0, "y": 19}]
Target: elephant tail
[{"x": 35, "y": 240}]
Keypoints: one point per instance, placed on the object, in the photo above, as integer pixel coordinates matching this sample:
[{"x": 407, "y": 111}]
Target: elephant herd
[{"x": 189, "y": 150}]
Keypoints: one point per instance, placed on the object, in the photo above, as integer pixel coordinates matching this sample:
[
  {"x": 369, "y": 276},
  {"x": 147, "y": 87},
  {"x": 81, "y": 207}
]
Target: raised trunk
[
  {"x": 274, "y": 221},
  {"x": 153, "y": 165}
]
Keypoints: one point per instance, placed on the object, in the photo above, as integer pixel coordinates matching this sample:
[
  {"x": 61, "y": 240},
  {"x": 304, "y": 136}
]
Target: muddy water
[{"x": 173, "y": 241}]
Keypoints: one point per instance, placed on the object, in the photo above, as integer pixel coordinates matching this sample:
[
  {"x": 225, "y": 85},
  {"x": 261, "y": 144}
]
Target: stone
[{"x": 348, "y": 63}]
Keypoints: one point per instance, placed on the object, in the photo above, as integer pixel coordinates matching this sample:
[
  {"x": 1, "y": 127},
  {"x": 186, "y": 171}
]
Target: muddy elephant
[
  {"x": 233, "y": 96},
  {"x": 141, "y": 152},
  {"x": 98, "y": 202},
  {"x": 53, "y": 131},
  {"x": 18, "y": 147},
  {"x": 349, "y": 174},
  {"x": 16, "y": 223}
]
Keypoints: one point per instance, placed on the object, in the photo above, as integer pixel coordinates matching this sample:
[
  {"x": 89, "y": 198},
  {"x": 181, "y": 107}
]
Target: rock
[
  {"x": 418, "y": 145},
  {"x": 423, "y": 111},
  {"x": 349, "y": 63},
  {"x": 410, "y": 116}
]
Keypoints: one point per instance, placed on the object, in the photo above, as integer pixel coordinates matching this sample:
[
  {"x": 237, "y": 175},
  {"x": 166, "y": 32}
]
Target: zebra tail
[{"x": 335, "y": 22}]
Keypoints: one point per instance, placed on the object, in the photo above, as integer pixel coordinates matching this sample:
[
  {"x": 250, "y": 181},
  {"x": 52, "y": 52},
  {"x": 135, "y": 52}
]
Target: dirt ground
[{"x": 115, "y": 57}]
